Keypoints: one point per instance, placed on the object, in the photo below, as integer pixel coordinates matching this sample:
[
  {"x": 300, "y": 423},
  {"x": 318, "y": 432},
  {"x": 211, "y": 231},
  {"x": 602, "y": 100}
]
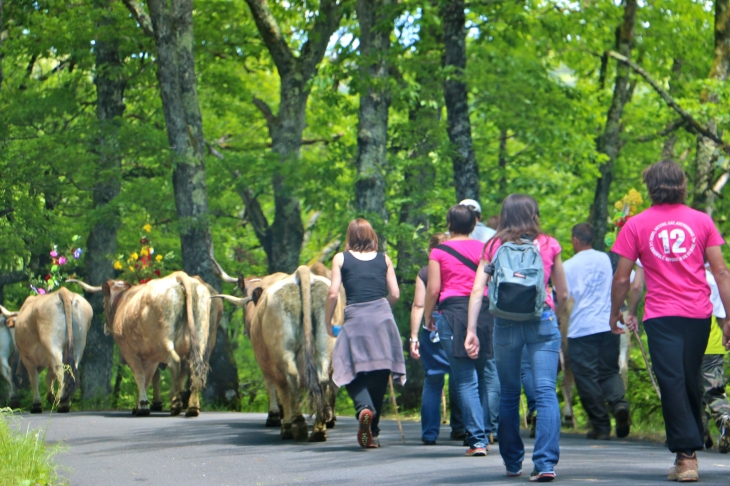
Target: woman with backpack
[
  {"x": 451, "y": 269},
  {"x": 527, "y": 321}
]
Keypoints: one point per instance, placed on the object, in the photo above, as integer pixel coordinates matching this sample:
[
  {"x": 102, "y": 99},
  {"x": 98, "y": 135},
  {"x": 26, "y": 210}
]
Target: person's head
[
  {"x": 361, "y": 236},
  {"x": 666, "y": 182},
  {"x": 436, "y": 239},
  {"x": 471, "y": 203},
  {"x": 493, "y": 222},
  {"x": 520, "y": 216},
  {"x": 582, "y": 237},
  {"x": 461, "y": 220}
]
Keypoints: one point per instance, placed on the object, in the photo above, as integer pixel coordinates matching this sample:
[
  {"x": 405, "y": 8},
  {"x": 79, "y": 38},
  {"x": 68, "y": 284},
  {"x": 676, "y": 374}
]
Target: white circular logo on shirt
[{"x": 672, "y": 241}]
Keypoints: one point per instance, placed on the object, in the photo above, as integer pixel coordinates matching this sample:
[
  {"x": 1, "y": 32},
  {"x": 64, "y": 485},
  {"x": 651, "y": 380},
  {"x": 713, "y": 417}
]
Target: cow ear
[
  {"x": 256, "y": 295},
  {"x": 106, "y": 289},
  {"x": 10, "y": 321}
]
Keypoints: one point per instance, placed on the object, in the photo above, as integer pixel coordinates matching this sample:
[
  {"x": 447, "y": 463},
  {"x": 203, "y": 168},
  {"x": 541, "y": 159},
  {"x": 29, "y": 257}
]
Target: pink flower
[
  {"x": 41, "y": 291},
  {"x": 62, "y": 260},
  {"x": 54, "y": 253}
]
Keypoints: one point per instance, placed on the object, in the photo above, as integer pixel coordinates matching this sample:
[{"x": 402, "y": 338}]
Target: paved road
[{"x": 221, "y": 448}]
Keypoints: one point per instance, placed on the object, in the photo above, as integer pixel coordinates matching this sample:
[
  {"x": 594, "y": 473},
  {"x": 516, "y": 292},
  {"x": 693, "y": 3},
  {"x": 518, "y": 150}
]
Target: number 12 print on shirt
[{"x": 672, "y": 241}]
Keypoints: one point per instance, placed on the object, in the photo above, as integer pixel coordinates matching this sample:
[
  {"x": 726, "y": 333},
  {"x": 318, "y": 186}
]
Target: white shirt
[
  {"x": 589, "y": 275},
  {"x": 718, "y": 310},
  {"x": 482, "y": 233}
]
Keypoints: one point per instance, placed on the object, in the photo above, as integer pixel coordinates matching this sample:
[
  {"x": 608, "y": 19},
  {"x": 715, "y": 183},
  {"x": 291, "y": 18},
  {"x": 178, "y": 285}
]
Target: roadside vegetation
[{"x": 25, "y": 458}]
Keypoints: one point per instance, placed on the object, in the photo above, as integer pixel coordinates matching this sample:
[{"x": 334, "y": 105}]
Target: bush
[{"x": 25, "y": 459}]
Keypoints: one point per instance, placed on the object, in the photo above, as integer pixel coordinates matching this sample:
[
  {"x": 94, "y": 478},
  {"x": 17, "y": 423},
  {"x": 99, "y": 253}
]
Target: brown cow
[
  {"x": 50, "y": 333},
  {"x": 8, "y": 350},
  {"x": 163, "y": 321}
]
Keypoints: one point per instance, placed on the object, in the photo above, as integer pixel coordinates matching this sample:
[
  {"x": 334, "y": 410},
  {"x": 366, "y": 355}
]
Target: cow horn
[
  {"x": 6, "y": 312},
  {"x": 238, "y": 301},
  {"x": 220, "y": 272},
  {"x": 88, "y": 288}
]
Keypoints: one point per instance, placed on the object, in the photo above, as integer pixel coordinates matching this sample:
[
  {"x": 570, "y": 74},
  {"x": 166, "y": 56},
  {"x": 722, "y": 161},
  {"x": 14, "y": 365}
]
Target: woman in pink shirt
[{"x": 673, "y": 243}]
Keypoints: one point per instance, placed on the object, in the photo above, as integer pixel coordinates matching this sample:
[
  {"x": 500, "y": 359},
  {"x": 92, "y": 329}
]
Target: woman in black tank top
[{"x": 368, "y": 348}]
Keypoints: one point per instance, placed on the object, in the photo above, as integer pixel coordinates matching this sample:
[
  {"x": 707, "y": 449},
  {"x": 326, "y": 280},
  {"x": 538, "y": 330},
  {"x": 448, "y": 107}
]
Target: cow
[
  {"x": 284, "y": 319},
  {"x": 163, "y": 321},
  {"x": 7, "y": 351},
  {"x": 50, "y": 333}
]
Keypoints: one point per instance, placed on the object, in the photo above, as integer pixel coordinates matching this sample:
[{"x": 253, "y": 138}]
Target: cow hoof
[
  {"x": 156, "y": 407},
  {"x": 331, "y": 423},
  {"x": 50, "y": 399},
  {"x": 36, "y": 408},
  {"x": 192, "y": 412},
  {"x": 318, "y": 436},
  {"x": 64, "y": 408},
  {"x": 176, "y": 406},
  {"x": 14, "y": 403},
  {"x": 184, "y": 398},
  {"x": 299, "y": 429},
  {"x": 273, "y": 420},
  {"x": 286, "y": 432},
  {"x": 142, "y": 412}
]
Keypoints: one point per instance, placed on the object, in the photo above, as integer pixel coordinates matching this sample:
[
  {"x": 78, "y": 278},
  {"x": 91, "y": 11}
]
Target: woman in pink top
[
  {"x": 519, "y": 220},
  {"x": 673, "y": 243},
  {"x": 451, "y": 270}
]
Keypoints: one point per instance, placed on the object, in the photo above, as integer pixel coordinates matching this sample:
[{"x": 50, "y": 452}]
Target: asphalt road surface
[{"x": 220, "y": 448}]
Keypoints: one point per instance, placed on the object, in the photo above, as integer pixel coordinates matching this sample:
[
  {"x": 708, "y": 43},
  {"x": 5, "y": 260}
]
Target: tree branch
[
  {"x": 269, "y": 29},
  {"x": 266, "y": 111},
  {"x": 140, "y": 16},
  {"x": 671, "y": 127},
  {"x": 691, "y": 124},
  {"x": 13, "y": 277},
  {"x": 330, "y": 13}
]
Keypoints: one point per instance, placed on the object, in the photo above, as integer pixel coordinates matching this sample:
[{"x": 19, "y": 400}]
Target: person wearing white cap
[{"x": 481, "y": 232}]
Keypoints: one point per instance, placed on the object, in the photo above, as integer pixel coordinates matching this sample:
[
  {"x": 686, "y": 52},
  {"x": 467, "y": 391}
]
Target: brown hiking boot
[{"x": 685, "y": 469}]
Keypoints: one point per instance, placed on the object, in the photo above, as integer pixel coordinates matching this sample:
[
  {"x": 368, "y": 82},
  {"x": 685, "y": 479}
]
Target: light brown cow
[
  {"x": 8, "y": 350},
  {"x": 285, "y": 320},
  {"x": 163, "y": 321},
  {"x": 50, "y": 333}
]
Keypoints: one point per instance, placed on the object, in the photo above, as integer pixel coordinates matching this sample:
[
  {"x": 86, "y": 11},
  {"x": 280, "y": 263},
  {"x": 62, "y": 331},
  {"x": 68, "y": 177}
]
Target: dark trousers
[
  {"x": 677, "y": 345},
  {"x": 594, "y": 361},
  {"x": 367, "y": 391}
]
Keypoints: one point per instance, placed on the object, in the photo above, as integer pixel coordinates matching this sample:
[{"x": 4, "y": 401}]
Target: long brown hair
[
  {"x": 361, "y": 236},
  {"x": 519, "y": 216}
]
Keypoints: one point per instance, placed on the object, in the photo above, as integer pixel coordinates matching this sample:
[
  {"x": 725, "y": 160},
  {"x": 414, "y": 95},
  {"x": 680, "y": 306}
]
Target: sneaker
[
  {"x": 685, "y": 469},
  {"x": 476, "y": 452},
  {"x": 542, "y": 477},
  {"x": 458, "y": 435},
  {"x": 374, "y": 443},
  {"x": 595, "y": 434},
  {"x": 514, "y": 474},
  {"x": 623, "y": 422},
  {"x": 723, "y": 445},
  {"x": 364, "y": 434},
  {"x": 428, "y": 442}
]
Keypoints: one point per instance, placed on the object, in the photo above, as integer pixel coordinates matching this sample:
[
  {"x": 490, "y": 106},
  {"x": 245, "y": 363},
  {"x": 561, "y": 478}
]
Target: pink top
[
  {"x": 549, "y": 248},
  {"x": 670, "y": 240},
  {"x": 457, "y": 279}
]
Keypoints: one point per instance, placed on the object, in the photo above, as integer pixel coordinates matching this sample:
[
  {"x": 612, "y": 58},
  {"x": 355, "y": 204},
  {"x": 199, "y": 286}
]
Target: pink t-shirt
[
  {"x": 670, "y": 240},
  {"x": 457, "y": 279},
  {"x": 548, "y": 247}
]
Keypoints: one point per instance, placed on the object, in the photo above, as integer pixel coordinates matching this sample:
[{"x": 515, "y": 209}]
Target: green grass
[{"x": 25, "y": 459}]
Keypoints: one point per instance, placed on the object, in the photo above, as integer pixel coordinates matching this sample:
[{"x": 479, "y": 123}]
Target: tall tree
[
  {"x": 102, "y": 242},
  {"x": 463, "y": 159},
  {"x": 282, "y": 240},
  {"x": 609, "y": 143},
  {"x": 706, "y": 154}
]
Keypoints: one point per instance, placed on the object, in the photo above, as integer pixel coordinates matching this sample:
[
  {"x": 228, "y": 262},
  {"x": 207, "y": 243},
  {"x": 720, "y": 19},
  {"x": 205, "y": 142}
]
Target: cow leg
[
  {"x": 178, "y": 378},
  {"x": 7, "y": 374},
  {"x": 331, "y": 399},
  {"x": 284, "y": 395},
  {"x": 274, "y": 417},
  {"x": 299, "y": 427},
  {"x": 50, "y": 397},
  {"x": 140, "y": 377},
  {"x": 34, "y": 378},
  {"x": 156, "y": 398},
  {"x": 190, "y": 398}
]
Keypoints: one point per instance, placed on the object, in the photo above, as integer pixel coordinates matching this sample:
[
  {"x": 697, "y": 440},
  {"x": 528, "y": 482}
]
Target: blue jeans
[
  {"x": 527, "y": 384},
  {"x": 541, "y": 339},
  {"x": 467, "y": 376},
  {"x": 491, "y": 399}
]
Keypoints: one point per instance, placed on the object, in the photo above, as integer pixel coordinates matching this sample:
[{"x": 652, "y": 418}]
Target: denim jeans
[
  {"x": 467, "y": 376},
  {"x": 541, "y": 339},
  {"x": 490, "y": 404},
  {"x": 527, "y": 384}
]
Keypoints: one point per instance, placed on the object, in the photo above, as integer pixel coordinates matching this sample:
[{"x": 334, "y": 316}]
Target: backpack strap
[{"x": 473, "y": 266}]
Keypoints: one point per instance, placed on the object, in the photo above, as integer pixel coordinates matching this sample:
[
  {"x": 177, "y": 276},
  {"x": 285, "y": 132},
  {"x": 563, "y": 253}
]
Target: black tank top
[{"x": 364, "y": 281}]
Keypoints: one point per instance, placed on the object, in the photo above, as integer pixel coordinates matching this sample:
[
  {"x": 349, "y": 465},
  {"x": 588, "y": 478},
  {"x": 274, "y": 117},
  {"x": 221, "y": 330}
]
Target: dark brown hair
[
  {"x": 361, "y": 236},
  {"x": 461, "y": 220},
  {"x": 666, "y": 182},
  {"x": 436, "y": 239},
  {"x": 493, "y": 222},
  {"x": 583, "y": 232},
  {"x": 519, "y": 216}
]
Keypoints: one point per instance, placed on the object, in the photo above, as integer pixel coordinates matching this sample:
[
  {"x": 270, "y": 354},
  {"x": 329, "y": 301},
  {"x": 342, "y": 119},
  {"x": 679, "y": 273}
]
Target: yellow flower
[
  {"x": 131, "y": 269},
  {"x": 619, "y": 205},
  {"x": 158, "y": 258},
  {"x": 117, "y": 265},
  {"x": 147, "y": 228},
  {"x": 144, "y": 252},
  {"x": 134, "y": 256}
]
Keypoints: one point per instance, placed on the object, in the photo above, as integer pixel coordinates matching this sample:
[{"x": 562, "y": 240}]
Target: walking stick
[
  {"x": 395, "y": 407},
  {"x": 648, "y": 366},
  {"x": 443, "y": 407}
]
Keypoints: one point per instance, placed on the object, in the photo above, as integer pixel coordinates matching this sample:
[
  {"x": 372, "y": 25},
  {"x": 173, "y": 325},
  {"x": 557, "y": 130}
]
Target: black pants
[
  {"x": 367, "y": 391},
  {"x": 677, "y": 345},
  {"x": 594, "y": 361}
]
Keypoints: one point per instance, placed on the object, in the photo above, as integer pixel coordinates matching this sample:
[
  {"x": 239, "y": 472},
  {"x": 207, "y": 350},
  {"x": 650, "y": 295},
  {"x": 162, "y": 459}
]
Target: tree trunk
[
  {"x": 703, "y": 197},
  {"x": 502, "y": 163},
  {"x": 466, "y": 171},
  {"x": 1, "y": 43},
  {"x": 609, "y": 143},
  {"x": 96, "y": 367},
  {"x": 375, "y": 21}
]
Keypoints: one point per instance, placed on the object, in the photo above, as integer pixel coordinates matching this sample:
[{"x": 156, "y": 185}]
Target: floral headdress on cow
[
  {"x": 56, "y": 275},
  {"x": 143, "y": 265},
  {"x": 626, "y": 207}
]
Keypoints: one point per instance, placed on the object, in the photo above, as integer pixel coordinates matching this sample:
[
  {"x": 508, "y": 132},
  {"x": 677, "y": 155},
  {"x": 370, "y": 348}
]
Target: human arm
[
  {"x": 471, "y": 343},
  {"x": 636, "y": 292},
  {"x": 419, "y": 300},
  {"x": 433, "y": 288},
  {"x": 334, "y": 292},
  {"x": 392, "y": 283},
  {"x": 713, "y": 255},
  {"x": 560, "y": 284},
  {"x": 619, "y": 290}
]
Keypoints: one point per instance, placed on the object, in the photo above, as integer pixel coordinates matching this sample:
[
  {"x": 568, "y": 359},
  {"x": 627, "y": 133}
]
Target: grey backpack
[{"x": 517, "y": 289}]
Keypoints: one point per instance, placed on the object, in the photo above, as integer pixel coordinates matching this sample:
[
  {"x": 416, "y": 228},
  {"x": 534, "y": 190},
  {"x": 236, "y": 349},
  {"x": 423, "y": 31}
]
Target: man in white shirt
[
  {"x": 481, "y": 232},
  {"x": 593, "y": 350}
]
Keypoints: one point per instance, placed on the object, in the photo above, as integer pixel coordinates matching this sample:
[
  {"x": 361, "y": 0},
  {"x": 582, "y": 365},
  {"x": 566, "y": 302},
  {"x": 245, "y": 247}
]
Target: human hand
[
  {"x": 431, "y": 323},
  {"x": 471, "y": 345},
  {"x": 632, "y": 323},
  {"x": 415, "y": 349},
  {"x": 615, "y": 319},
  {"x": 330, "y": 330},
  {"x": 726, "y": 336}
]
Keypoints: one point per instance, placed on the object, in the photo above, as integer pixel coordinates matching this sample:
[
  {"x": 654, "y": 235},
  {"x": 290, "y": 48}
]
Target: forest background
[{"x": 261, "y": 128}]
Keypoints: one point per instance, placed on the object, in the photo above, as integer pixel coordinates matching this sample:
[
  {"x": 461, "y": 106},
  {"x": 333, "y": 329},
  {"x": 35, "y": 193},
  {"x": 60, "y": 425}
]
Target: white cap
[{"x": 472, "y": 204}]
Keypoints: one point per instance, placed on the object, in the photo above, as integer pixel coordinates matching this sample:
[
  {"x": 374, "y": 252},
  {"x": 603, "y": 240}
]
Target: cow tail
[
  {"x": 316, "y": 393},
  {"x": 198, "y": 366},
  {"x": 70, "y": 375}
]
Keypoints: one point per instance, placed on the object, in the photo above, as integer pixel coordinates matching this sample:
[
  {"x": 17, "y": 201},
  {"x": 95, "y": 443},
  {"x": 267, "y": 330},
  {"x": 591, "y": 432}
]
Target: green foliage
[{"x": 25, "y": 459}]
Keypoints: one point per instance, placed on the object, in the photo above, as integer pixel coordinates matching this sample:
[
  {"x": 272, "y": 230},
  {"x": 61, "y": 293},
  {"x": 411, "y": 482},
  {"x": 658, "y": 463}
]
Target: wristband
[{"x": 413, "y": 340}]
